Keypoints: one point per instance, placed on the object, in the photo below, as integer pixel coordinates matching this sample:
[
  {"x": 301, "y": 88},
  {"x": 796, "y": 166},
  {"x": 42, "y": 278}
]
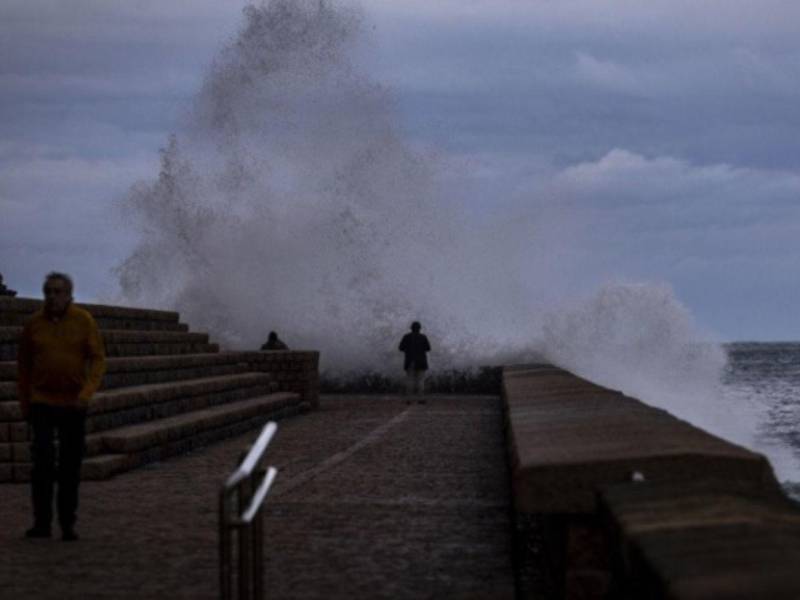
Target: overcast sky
[{"x": 671, "y": 126}]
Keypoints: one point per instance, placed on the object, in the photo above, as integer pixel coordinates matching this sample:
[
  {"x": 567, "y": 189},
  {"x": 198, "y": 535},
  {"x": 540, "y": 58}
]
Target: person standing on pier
[
  {"x": 60, "y": 364},
  {"x": 415, "y": 346}
]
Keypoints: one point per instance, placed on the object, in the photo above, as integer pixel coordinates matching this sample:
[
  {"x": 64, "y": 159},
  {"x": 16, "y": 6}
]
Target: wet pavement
[{"x": 374, "y": 499}]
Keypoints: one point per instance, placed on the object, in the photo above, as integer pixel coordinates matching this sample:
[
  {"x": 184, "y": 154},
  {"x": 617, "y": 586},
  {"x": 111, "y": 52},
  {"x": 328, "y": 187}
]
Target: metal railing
[{"x": 243, "y": 491}]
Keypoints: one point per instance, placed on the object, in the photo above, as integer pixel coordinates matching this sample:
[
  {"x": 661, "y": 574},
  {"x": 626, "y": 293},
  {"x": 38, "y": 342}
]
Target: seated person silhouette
[{"x": 274, "y": 343}]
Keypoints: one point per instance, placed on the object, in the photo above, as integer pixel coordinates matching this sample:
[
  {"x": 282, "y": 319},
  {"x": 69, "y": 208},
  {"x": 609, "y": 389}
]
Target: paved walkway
[{"x": 374, "y": 499}]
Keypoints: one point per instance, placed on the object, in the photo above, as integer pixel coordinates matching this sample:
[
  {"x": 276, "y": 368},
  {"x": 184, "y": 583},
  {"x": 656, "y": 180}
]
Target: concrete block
[
  {"x": 731, "y": 561},
  {"x": 22, "y": 472},
  {"x": 565, "y": 449},
  {"x": 5, "y": 432},
  {"x": 20, "y": 432},
  {"x": 8, "y": 371},
  {"x": 21, "y": 452},
  {"x": 8, "y": 391},
  {"x": 104, "y": 467},
  {"x": 94, "y": 445},
  {"x": 6, "y": 453}
]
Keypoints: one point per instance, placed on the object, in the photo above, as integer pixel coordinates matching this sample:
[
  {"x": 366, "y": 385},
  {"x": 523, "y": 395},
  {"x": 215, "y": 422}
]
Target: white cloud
[{"x": 622, "y": 180}]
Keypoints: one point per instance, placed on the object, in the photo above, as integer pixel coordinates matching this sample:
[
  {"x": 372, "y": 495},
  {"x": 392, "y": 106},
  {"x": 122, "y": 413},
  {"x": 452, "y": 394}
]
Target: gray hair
[{"x": 62, "y": 276}]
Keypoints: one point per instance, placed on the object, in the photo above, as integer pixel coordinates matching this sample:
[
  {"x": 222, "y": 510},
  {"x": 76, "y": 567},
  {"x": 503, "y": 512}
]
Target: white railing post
[{"x": 249, "y": 483}]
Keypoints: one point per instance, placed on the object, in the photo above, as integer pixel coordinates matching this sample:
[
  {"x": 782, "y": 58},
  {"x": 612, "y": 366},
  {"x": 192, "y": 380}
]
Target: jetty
[{"x": 554, "y": 487}]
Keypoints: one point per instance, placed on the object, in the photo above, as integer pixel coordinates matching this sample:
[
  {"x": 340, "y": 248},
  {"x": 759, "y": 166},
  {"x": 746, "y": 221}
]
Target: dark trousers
[{"x": 70, "y": 423}]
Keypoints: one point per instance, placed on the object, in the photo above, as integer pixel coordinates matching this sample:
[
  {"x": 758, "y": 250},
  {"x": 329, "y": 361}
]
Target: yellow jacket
[{"x": 60, "y": 363}]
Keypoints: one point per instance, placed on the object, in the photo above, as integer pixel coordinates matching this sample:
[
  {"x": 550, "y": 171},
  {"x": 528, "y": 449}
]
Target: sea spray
[
  {"x": 640, "y": 340},
  {"x": 289, "y": 200}
]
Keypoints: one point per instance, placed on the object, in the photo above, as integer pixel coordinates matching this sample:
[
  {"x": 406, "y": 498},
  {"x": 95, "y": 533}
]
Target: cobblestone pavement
[{"x": 374, "y": 499}]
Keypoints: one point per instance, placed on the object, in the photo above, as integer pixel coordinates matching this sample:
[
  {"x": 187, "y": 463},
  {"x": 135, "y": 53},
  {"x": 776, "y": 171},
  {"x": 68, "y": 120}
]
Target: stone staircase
[{"x": 166, "y": 390}]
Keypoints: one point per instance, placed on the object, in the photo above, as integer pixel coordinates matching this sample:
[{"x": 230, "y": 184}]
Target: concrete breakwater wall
[{"x": 616, "y": 499}]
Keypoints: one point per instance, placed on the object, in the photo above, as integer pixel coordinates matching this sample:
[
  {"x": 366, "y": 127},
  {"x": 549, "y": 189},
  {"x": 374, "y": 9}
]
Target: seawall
[{"x": 617, "y": 499}]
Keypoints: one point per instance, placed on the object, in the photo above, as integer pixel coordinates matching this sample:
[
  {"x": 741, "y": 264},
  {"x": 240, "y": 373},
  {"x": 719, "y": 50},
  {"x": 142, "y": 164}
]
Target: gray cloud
[
  {"x": 708, "y": 83},
  {"x": 666, "y": 130}
]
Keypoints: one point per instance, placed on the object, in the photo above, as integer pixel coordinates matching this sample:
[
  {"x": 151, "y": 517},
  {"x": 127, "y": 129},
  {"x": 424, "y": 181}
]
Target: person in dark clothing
[
  {"x": 61, "y": 361},
  {"x": 274, "y": 343},
  {"x": 415, "y": 346}
]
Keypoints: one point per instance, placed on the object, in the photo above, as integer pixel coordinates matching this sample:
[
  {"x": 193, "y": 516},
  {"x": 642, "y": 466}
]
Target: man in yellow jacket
[{"x": 60, "y": 364}]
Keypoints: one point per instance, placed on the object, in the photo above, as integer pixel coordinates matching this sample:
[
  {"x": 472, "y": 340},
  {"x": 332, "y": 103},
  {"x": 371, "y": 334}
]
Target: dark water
[{"x": 766, "y": 376}]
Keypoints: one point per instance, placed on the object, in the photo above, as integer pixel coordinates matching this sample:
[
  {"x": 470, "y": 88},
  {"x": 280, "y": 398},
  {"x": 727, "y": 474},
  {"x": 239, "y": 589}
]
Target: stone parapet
[
  {"x": 294, "y": 370},
  {"x": 595, "y": 474},
  {"x": 571, "y": 437},
  {"x": 701, "y": 540}
]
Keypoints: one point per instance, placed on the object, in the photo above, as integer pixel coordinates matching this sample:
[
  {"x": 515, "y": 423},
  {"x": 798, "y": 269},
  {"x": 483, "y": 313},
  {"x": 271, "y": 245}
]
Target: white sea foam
[{"x": 289, "y": 201}]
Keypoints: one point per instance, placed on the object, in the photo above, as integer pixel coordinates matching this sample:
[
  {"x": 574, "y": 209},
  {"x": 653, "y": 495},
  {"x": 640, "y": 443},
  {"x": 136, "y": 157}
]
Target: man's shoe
[
  {"x": 68, "y": 535},
  {"x": 38, "y": 532}
]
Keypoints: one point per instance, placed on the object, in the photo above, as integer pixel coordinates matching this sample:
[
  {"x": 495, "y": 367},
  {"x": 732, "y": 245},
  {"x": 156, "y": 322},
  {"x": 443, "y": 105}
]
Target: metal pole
[
  {"x": 224, "y": 548},
  {"x": 258, "y": 548},
  {"x": 246, "y": 580},
  {"x": 245, "y": 572}
]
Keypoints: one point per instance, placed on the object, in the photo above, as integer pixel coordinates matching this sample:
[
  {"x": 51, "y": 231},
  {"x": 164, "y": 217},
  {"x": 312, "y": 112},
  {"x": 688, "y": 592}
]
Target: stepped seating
[
  {"x": 127, "y": 343},
  {"x": 14, "y": 311},
  {"x": 166, "y": 391}
]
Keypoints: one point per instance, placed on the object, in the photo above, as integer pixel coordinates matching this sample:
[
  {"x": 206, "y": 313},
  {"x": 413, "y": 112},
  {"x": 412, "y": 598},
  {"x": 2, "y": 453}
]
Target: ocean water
[{"x": 766, "y": 377}]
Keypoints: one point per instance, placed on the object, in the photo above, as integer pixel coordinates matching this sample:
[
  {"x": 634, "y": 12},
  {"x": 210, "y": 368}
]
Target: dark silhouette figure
[
  {"x": 60, "y": 364},
  {"x": 274, "y": 343},
  {"x": 4, "y": 291},
  {"x": 415, "y": 346}
]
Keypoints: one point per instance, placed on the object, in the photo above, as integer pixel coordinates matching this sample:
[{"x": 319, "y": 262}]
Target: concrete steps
[
  {"x": 125, "y": 448},
  {"x": 140, "y": 437},
  {"x": 144, "y": 370},
  {"x": 123, "y": 342},
  {"x": 128, "y": 372},
  {"x": 14, "y": 312},
  {"x": 165, "y": 391},
  {"x": 147, "y": 399},
  {"x": 139, "y": 370},
  {"x": 149, "y": 402}
]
